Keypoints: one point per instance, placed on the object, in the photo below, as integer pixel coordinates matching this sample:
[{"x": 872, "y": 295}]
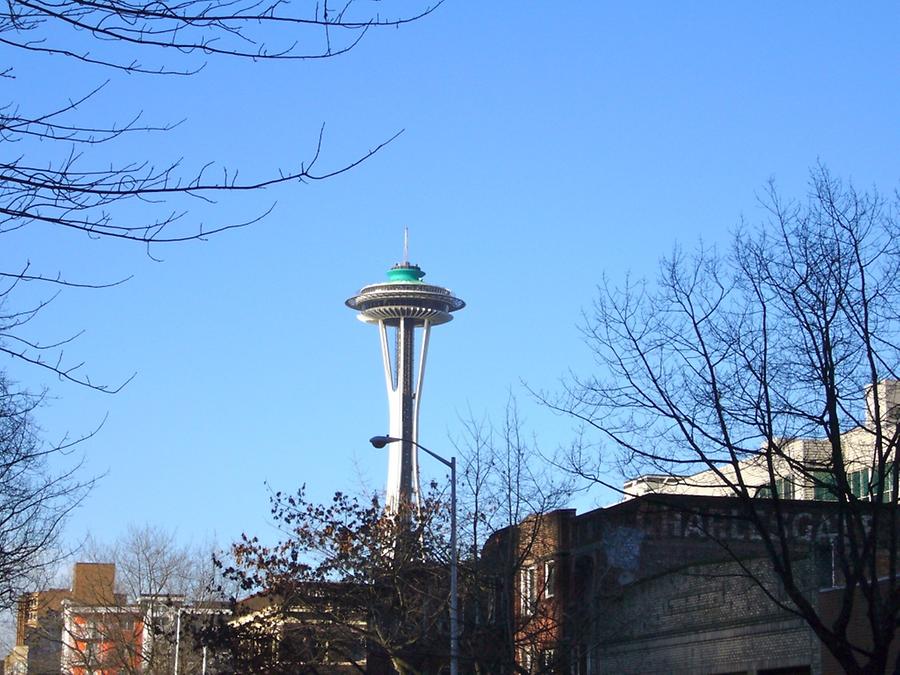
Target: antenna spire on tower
[{"x": 405, "y": 245}]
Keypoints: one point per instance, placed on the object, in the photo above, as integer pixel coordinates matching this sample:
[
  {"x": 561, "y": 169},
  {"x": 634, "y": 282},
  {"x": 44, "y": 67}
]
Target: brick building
[
  {"x": 662, "y": 582},
  {"x": 39, "y": 619},
  {"x": 651, "y": 586},
  {"x": 90, "y": 629}
]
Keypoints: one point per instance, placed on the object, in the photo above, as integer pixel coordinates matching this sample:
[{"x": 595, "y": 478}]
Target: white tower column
[{"x": 403, "y": 377}]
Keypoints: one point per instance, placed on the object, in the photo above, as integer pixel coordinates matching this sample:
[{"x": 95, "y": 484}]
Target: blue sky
[{"x": 543, "y": 147}]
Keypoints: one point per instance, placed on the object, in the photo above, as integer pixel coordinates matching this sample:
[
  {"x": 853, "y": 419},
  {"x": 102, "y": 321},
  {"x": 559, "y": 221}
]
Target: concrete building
[
  {"x": 270, "y": 633},
  {"x": 102, "y": 638},
  {"x": 151, "y": 635},
  {"x": 803, "y": 467}
]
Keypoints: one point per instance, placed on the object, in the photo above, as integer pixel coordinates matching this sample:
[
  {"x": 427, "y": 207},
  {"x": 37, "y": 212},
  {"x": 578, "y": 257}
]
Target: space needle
[{"x": 403, "y": 304}]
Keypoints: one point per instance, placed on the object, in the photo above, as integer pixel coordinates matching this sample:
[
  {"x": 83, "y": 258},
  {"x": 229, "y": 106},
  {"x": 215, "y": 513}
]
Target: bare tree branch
[{"x": 770, "y": 371}]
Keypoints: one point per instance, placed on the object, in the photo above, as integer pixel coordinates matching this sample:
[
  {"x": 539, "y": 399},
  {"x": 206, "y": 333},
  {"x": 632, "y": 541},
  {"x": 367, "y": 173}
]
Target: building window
[
  {"x": 888, "y": 496},
  {"x": 526, "y": 589},
  {"x": 496, "y": 600},
  {"x": 548, "y": 657},
  {"x": 33, "y": 611},
  {"x": 525, "y": 659},
  {"x": 859, "y": 484},
  {"x": 549, "y": 578},
  {"x": 824, "y": 488},
  {"x": 784, "y": 488}
]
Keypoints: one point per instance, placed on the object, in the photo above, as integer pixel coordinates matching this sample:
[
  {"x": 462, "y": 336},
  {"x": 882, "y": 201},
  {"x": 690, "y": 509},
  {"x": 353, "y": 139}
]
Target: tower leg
[
  {"x": 405, "y": 373},
  {"x": 403, "y": 384}
]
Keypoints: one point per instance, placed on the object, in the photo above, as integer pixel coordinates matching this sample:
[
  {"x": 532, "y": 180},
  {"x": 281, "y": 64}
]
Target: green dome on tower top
[{"x": 405, "y": 272}]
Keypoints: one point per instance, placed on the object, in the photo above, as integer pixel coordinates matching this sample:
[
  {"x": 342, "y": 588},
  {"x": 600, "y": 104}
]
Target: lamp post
[
  {"x": 177, "y": 638},
  {"x": 380, "y": 442}
]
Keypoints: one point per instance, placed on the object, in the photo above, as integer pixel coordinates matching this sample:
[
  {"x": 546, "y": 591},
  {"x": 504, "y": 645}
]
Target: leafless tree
[
  {"x": 151, "y": 561},
  {"x": 165, "y": 592},
  {"x": 506, "y": 491},
  {"x": 58, "y": 173},
  {"x": 770, "y": 371},
  {"x": 35, "y": 496}
]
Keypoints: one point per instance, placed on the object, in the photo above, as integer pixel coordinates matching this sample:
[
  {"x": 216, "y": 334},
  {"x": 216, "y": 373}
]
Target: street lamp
[{"x": 380, "y": 442}]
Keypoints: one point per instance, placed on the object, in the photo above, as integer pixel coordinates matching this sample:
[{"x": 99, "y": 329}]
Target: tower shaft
[
  {"x": 404, "y": 387},
  {"x": 405, "y": 343}
]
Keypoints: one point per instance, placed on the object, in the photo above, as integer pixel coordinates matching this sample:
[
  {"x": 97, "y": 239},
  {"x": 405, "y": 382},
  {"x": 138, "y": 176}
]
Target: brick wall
[{"x": 702, "y": 619}]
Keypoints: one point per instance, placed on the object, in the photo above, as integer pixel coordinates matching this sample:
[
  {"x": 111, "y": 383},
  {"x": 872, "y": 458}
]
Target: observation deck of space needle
[{"x": 401, "y": 305}]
